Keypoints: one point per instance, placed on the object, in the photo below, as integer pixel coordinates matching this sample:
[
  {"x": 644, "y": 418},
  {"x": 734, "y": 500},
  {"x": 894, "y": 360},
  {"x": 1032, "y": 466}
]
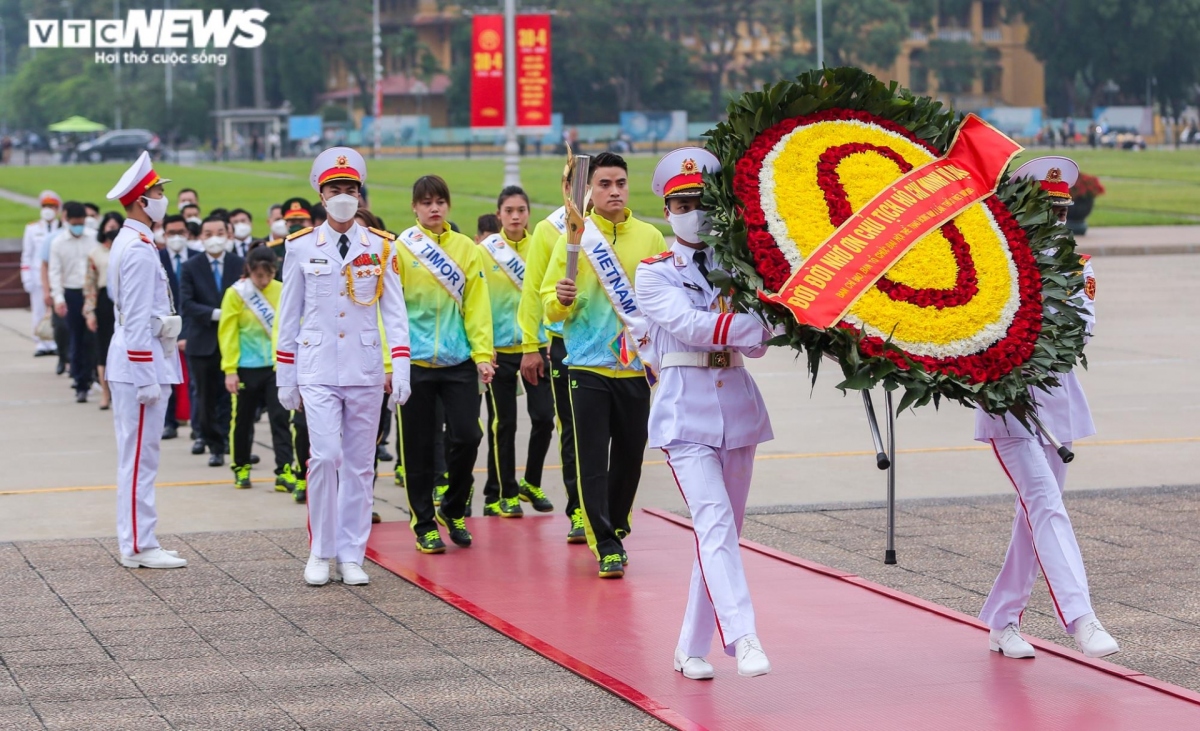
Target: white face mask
[
  {"x": 91, "y": 222},
  {"x": 241, "y": 230},
  {"x": 156, "y": 208},
  {"x": 342, "y": 208},
  {"x": 176, "y": 243},
  {"x": 688, "y": 226},
  {"x": 279, "y": 228},
  {"x": 48, "y": 214},
  {"x": 158, "y": 237},
  {"x": 195, "y": 219},
  {"x": 183, "y": 204},
  {"x": 215, "y": 246}
]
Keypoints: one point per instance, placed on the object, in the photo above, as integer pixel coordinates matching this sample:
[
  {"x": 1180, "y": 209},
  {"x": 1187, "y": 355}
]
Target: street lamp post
[
  {"x": 820, "y": 37},
  {"x": 377, "y": 54},
  {"x": 512, "y": 160}
]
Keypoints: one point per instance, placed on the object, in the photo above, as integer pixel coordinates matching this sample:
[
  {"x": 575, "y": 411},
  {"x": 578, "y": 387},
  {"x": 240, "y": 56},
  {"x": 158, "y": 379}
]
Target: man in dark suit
[
  {"x": 173, "y": 258},
  {"x": 202, "y": 286}
]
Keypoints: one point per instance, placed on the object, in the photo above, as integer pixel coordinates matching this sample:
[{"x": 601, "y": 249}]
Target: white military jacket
[
  {"x": 1064, "y": 409},
  {"x": 718, "y": 407},
  {"x": 138, "y": 286},
  {"x": 328, "y": 323},
  {"x": 31, "y": 247}
]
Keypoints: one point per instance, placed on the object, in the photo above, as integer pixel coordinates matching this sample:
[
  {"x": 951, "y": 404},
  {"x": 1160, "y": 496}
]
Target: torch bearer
[{"x": 575, "y": 199}]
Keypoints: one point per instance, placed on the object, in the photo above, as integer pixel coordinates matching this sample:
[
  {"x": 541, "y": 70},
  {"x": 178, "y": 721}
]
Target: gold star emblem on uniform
[
  {"x": 1054, "y": 175},
  {"x": 341, "y": 161},
  {"x": 689, "y": 167}
]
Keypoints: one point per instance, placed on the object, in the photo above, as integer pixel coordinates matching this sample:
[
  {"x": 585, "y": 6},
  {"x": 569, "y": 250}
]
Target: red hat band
[
  {"x": 338, "y": 173},
  {"x": 1057, "y": 189},
  {"x": 140, "y": 188},
  {"x": 680, "y": 183}
]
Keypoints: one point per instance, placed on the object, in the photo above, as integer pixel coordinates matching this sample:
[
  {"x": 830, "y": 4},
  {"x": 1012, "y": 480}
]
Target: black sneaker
[
  {"x": 458, "y": 529},
  {"x": 610, "y": 567},
  {"x": 491, "y": 510},
  {"x": 300, "y": 493},
  {"x": 375, "y": 517},
  {"x": 536, "y": 497},
  {"x": 624, "y": 557},
  {"x": 198, "y": 446},
  {"x": 383, "y": 455},
  {"x": 431, "y": 542},
  {"x": 510, "y": 507},
  {"x": 578, "y": 532}
]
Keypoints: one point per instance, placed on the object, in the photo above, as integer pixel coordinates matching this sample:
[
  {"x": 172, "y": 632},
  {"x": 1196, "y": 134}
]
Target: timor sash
[
  {"x": 618, "y": 287},
  {"x": 862, "y": 249},
  {"x": 506, "y": 257},
  {"x": 435, "y": 259},
  {"x": 256, "y": 303}
]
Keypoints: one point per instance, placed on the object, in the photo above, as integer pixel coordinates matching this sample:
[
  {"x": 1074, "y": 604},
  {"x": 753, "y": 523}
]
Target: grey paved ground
[{"x": 236, "y": 641}]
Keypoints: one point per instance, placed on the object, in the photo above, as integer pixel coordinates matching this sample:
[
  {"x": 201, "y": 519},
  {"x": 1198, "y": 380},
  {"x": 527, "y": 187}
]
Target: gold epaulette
[
  {"x": 275, "y": 242},
  {"x": 299, "y": 233},
  {"x": 385, "y": 234}
]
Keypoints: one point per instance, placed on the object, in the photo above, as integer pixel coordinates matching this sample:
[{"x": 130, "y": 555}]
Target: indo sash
[
  {"x": 618, "y": 287},
  {"x": 257, "y": 303},
  {"x": 507, "y": 258},
  {"x": 435, "y": 259},
  {"x": 862, "y": 249}
]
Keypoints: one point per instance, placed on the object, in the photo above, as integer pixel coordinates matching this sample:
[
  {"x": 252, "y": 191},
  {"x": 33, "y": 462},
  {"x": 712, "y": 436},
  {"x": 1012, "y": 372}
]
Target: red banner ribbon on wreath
[{"x": 862, "y": 249}]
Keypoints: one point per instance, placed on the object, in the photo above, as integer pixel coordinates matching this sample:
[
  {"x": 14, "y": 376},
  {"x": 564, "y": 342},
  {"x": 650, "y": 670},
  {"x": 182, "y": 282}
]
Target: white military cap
[
  {"x": 338, "y": 163},
  {"x": 679, "y": 173},
  {"x": 1055, "y": 173},
  {"x": 139, "y": 178},
  {"x": 49, "y": 198}
]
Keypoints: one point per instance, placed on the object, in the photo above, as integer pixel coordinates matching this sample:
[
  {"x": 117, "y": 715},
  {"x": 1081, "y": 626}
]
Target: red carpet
[{"x": 847, "y": 654}]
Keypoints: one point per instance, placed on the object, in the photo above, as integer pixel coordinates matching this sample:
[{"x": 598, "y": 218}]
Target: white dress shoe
[
  {"x": 154, "y": 558},
  {"x": 1009, "y": 642},
  {"x": 352, "y": 574},
  {"x": 751, "y": 659},
  {"x": 316, "y": 572},
  {"x": 693, "y": 668},
  {"x": 1093, "y": 640}
]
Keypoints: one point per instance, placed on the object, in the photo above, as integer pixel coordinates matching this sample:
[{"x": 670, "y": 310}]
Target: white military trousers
[
  {"x": 715, "y": 483},
  {"x": 1042, "y": 537},
  {"x": 37, "y": 308},
  {"x": 342, "y": 425},
  {"x": 139, "y": 434}
]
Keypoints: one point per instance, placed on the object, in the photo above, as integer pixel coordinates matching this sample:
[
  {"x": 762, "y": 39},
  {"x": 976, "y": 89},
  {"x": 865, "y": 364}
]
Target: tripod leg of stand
[
  {"x": 881, "y": 457},
  {"x": 889, "y": 554}
]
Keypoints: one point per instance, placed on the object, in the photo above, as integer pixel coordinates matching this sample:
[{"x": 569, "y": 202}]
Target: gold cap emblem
[
  {"x": 689, "y": 167},
  {"x": 1054, "y": 175},
  {"x": 341, "y": 161},
  {"x": 295, "y": 206}
]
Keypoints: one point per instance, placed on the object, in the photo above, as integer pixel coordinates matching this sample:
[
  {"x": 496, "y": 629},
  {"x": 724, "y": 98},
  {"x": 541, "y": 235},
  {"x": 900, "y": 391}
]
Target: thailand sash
[
  {"x": 257, "y": 303},
  {"x": 618, "y": 286},
  {"x": 443, "y": 268},
  {"x": 506, "y": 257}
]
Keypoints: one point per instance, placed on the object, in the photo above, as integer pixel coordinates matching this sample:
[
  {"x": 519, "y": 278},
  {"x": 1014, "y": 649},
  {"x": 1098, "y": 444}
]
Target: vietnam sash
[
  {"x": 507, "y": 258},
  {"x": 435, "y": 259},
  {"x": 618, "y": 286},
  {"x": 257, "y": 303}
]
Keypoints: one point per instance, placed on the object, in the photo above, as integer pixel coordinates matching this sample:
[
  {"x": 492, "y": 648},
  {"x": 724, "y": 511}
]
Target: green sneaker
[
  {"x": 491, "y": 510},
  {"x": 399, "y": 476},
  {"x": 285, "y": 481},
  {"x": 431, "y": 542},
  {"x": 439, "y": 492},
  {"x": 610, "y": 567},
  {"x": 536, "y": 496},
  {"x": 578, "y": 532},
  {"x": 241, "y": 477},
  {"x": 300, "y": 493},
  {"x": 510, "y": 507},
  {"x": 458, "y": 529}
]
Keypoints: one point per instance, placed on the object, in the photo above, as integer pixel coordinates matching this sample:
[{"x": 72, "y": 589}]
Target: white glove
[
  {"x": 216, "y": 314},
  {"x": 149, "y": 395},
  {"x": 289, "y": 397},
  {"x": 400, "y": 393}
]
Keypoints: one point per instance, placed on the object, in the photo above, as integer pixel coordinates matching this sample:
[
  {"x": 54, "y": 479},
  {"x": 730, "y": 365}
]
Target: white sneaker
[
  {"x": 316, "y": 572},
  {"x": 1009, "y": 642},
  {"x": 693, "y": 668},
  {"x": 751, "y": 659},
  {"x": 155, "y": 558},
  {"x": 1093, "y": 640},
  {"x": 352, "y": 574}
]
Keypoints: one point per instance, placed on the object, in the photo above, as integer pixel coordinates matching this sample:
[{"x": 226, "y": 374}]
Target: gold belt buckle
[{"x": 719, "y": 359}]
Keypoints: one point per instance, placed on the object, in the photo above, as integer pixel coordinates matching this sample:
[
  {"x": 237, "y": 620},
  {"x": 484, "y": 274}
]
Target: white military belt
[{"x": 717, "y": 359}]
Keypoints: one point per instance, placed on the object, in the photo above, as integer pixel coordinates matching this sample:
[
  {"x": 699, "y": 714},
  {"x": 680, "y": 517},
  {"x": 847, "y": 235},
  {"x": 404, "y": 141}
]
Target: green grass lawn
[{"x": 1144, "y": 188}]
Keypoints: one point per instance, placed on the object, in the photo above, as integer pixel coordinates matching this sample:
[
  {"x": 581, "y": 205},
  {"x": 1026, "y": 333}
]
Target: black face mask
[{"x": 293, "y": 228}]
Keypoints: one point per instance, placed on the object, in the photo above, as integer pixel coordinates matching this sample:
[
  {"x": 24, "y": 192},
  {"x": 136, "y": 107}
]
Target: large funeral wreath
[{"x": 977, "y": 311}]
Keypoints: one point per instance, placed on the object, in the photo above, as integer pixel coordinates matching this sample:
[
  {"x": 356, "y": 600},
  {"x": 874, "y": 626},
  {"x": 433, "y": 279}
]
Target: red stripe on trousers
[
  {"x": 1025, "y": 509},
  {"x": 699, "y": 561},
  {"x": 137, "y": 459}
]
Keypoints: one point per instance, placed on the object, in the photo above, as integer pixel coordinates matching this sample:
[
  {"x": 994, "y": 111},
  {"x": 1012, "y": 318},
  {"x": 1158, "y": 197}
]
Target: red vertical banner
[
  {"x": 533, "y": 71},
  {"x": 487, "y": 71}
]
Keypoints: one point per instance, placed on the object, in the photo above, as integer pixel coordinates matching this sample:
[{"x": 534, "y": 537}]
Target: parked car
[
  {"x": 121, "y": 144},
  {"x": 1124, "y": 138}
]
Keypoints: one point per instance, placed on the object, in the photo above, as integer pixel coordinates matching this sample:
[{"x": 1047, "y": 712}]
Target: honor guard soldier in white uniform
[
  {"x": 36, "y": 234},
  {"x": 1042, "y": 536},
  {"x": 339, "y": 284},
  {"x": 143, "y": 363},
  {"x": 707, "y": 415}
]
